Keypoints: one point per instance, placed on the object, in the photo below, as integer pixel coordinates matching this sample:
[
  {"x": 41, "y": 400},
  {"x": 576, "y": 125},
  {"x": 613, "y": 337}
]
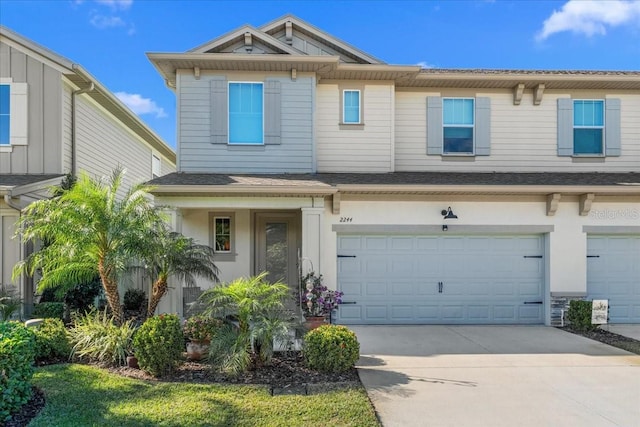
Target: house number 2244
[{"x": 346, "y": 219}]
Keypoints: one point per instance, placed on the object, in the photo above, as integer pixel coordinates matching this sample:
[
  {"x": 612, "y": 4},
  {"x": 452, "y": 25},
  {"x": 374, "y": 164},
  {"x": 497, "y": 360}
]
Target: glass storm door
[{"x": 276, "y": 246}]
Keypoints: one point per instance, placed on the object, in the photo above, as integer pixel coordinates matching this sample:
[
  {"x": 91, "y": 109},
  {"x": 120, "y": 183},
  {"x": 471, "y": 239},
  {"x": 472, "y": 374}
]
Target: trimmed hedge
[
  {"x": 580, "y": 315},
  {"x": 51, "y": 340},
  {"x": 17, "y": 352},
  {"x": 158, "y": 344},
  {"x": 46, "y": 310},
  {"x": 331, "y": 348}
]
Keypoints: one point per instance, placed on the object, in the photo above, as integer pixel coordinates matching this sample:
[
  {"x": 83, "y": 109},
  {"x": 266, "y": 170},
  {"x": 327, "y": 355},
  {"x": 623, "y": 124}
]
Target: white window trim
[
  {"x": 153, "y": 164},
  {"x": 18, "y": 114},
  {"x": 603, "y": 127},
  {"x": 473, "y": 126},
  {"x": 250, "y": 144},
  {"x": 344, "y": 121},
  {"x": 231, "y": 254}
]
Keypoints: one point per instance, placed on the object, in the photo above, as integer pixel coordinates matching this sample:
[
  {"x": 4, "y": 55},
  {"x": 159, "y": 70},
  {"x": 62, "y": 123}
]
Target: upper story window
[
  {"x": 5, "y": 114},
  {"x": 246, "y": 106},
  {"x": 588, "y": 126},
  {"x": 351, "y": 107},
  {"x": 458, "y": 120},
  {"x": 155, "y": 166}
]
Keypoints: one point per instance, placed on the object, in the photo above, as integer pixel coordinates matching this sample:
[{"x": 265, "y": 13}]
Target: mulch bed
[
  {"x": 606, "y": 337},
  {"x": 28, "y": 411}
]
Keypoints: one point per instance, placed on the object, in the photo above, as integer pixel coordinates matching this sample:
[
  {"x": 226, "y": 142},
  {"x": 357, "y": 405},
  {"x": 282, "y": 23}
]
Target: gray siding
[
  {"x": 9, "y": 247},
  {"x": 43, "y": 153},
  {"x": 197, "y": 153}
]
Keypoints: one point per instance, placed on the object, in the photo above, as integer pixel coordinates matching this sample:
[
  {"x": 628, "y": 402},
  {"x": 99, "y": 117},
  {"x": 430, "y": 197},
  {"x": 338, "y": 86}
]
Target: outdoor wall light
[{"x": 448, "y": 214}]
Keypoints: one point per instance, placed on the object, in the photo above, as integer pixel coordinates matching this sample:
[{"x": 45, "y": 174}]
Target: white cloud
[
  {"x": 117, "y": 4},
  {"x": 591, "y": 17},
  {"x": 101, "y": 22},
  {"x": 425, "y": 64},
  {"x": 140, "y": 105}
]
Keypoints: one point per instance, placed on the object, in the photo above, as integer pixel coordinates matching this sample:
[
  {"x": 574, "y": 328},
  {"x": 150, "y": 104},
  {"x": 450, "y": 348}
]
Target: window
[
  {"x": 155, "y": 166},
  {"x": 246, "y": 122},
  {"x": 351, "y": 107},
  {"x": 222, "y": 235},
  {"x": 458, "y": 123},
  {"x": 588, "y": 127},
  {"x": 5, "y": 113}
]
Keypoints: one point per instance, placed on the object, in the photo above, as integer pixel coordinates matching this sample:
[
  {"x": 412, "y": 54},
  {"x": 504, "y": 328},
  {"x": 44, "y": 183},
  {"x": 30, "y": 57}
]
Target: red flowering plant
[
  {"x": 316, "y": 300},
  {"x": 200, "y": 328}
]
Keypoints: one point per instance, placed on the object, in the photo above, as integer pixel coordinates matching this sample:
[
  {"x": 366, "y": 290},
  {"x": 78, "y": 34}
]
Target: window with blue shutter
[
  {"x": 588, "y": 126},
  {"x": 458, "y": 121}
]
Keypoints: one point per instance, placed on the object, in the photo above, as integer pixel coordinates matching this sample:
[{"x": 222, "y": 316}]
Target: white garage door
[
  {"x": 613, "y": 273},
  {"x": 390, "y": 279}
]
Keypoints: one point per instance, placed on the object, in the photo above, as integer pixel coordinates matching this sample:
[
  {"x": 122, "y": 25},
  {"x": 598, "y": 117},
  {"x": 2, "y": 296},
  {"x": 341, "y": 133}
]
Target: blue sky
[{"x": 109, "y": 38}]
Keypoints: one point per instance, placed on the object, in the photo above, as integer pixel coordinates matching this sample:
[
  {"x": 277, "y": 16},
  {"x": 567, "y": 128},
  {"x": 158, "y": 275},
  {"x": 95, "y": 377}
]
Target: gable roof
[
  {"x": 103, "y": 96},
  {"x": 219, "y": 43}
]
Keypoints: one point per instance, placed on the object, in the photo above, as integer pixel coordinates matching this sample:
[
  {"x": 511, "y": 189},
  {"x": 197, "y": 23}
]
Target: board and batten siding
[
  {"x": 197, "y": 153},
  {"x": 9, "y": 247},
  {"x": 43, "y": 152},
  {"x": 367, "y": 148},
  {"x": 103, "y": 143},
  {"x": 523, "y": 137}
]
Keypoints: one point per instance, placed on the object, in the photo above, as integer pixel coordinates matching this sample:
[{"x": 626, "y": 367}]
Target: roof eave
[
  {"x": 258, "y": 190},
  {"x": 620, "y": 189}
]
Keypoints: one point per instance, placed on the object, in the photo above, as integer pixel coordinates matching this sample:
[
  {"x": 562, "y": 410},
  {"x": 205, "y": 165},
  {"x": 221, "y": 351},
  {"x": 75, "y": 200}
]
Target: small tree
[
  {"x": 94, "y": 227},
  {"x": 258, "y": 306}
]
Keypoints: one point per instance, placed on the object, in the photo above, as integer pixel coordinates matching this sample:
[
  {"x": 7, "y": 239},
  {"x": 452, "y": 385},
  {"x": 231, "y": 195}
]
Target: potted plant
[
  {"x": 317, "y": 301},
  {"x": 199, "y": 330}
]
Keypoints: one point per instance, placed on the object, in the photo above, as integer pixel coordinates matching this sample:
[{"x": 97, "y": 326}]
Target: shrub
[
  {"x": 96, "y": 337},
  {"x": 10, "y": 302},
  {"x": 201, "y": 328},
  {"x": 331, "y": 348},
  {"x": 49, "y": 310},
  {"x": 134, "y": 299},
  {"x": 159, "y": 344},
  {"x": 81, "y": 297},
  {"x": 51, "y": 340},
  {"x": 17, "y": 351},
  {"x": 580, "y": 315}
]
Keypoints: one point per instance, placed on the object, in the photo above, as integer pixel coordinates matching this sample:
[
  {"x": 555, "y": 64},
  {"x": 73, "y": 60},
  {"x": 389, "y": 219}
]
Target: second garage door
[{"x": 391, "y": 279}]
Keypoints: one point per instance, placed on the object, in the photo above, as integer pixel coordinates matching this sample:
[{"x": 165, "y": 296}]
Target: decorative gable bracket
[
  {"x": 538, "y": 91},
  {"x": 586, "y": 201},
  {"x": 552, "y": 203},
  {"x": 518, "y": 91}
]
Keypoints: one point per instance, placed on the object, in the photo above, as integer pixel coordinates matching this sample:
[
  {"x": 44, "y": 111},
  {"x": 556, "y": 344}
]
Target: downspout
[
  {"x": 73, "y": 124},
  {"x": 9, "y": 202}
]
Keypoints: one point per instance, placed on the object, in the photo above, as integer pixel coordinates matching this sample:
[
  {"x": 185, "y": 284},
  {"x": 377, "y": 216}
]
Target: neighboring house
[
  {"x": 55, "y": 119},
  {"x": 426, "y": 195}
]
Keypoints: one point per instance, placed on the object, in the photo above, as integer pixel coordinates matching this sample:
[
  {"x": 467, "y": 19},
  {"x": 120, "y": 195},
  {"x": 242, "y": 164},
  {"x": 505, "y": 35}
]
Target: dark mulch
[
  {"x": 286, "y": 372},
  {"x": 606, "y": 337}
]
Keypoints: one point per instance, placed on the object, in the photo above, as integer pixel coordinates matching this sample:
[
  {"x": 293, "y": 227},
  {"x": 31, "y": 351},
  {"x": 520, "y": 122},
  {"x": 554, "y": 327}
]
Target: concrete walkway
[{"x": 496, "y": 376}]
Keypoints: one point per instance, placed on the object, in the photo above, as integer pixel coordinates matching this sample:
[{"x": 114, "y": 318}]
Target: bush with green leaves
[
  {"x": 17, "y": 352},
  {"x": 158, "y": 344},
  {"x": 96, "y": 336},
  {"x": 46, "y": 310},
  {"x": 580, "y": 315},
  {"x": 10, "y": 302},
  {"x": 134, "y": 299},
  {"x": 51, "y": 340},
  {"x": 331, "y": 348}
]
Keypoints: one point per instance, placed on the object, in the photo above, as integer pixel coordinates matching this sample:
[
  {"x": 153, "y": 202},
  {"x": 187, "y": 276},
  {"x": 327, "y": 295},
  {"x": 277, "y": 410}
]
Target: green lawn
[{"x": 79, "y": 395}]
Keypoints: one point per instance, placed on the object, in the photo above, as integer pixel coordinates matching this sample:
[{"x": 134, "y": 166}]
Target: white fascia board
[
  {"x": 243, "y": 189},
  {"x": 623, "y": 189},
  {"x": 34, "y": 187}
]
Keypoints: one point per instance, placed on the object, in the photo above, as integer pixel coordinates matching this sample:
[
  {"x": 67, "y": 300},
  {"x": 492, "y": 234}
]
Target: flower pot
[
  {"x": 313, "y": 322},
  {"x": 197, "y": 350},
  {"x": 132, "y": 362}
]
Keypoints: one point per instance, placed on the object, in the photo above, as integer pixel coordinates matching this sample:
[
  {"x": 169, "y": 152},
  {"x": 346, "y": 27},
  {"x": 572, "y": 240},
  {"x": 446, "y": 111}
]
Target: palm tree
[
  {"x": 172, "y": 254},
  {"x": 94, "y": 227},
  {"x": 259, "y": 309}
]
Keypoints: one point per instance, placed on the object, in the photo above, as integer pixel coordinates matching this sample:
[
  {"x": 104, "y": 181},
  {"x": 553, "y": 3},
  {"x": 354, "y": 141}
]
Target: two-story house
[
  {"x": 55, "y": 119},
  {"x": 425, "y": 195}
]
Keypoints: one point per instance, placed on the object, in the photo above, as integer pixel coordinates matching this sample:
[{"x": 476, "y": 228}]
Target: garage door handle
[
  {"x": 348, "y": 302},
  {"x": 593, "y": 256},
  {"x": 440, "y": 286},
  {"x": 533, "y": 256},
  {"x": 533, "y": 302},
  {"x": 346, "y": 256}
]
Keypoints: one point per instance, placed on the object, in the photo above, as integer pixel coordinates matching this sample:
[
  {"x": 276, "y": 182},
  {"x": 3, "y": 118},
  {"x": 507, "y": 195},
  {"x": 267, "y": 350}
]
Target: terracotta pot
[
  {"x": 132, "y": 362},
  {"x": 313, "y": 322},
  {"x": 197, "y": 350}
]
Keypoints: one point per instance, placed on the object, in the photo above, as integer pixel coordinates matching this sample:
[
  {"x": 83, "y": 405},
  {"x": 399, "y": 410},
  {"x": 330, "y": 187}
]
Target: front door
[{"x": 277, "y": 246}]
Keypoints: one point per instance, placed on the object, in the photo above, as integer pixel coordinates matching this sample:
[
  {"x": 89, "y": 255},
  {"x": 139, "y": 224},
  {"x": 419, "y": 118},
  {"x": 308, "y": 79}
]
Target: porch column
[
  {"x": 312, "y": 223},
  {"x": 172, "y": 301}
]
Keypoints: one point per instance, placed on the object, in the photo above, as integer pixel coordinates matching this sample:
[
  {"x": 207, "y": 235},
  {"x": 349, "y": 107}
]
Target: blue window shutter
[
  {"x": 272, "y": 112},
  {"x": 612, "y": 127},
  {"x": 219, "y": 111},
  {"x": 434, "y": 125},
  {"x": 483, "y": 126},
  {"x": 565, "y": 127}
]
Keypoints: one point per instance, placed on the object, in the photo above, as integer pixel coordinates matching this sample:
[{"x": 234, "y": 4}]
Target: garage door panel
[
  {"x": 613, "y": 273},
  {"x": 485, "y": 279}
]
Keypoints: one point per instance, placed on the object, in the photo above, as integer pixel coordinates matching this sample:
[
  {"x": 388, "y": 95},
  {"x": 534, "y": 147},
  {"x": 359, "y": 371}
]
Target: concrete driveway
[{"x": 496, "y": 376}]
